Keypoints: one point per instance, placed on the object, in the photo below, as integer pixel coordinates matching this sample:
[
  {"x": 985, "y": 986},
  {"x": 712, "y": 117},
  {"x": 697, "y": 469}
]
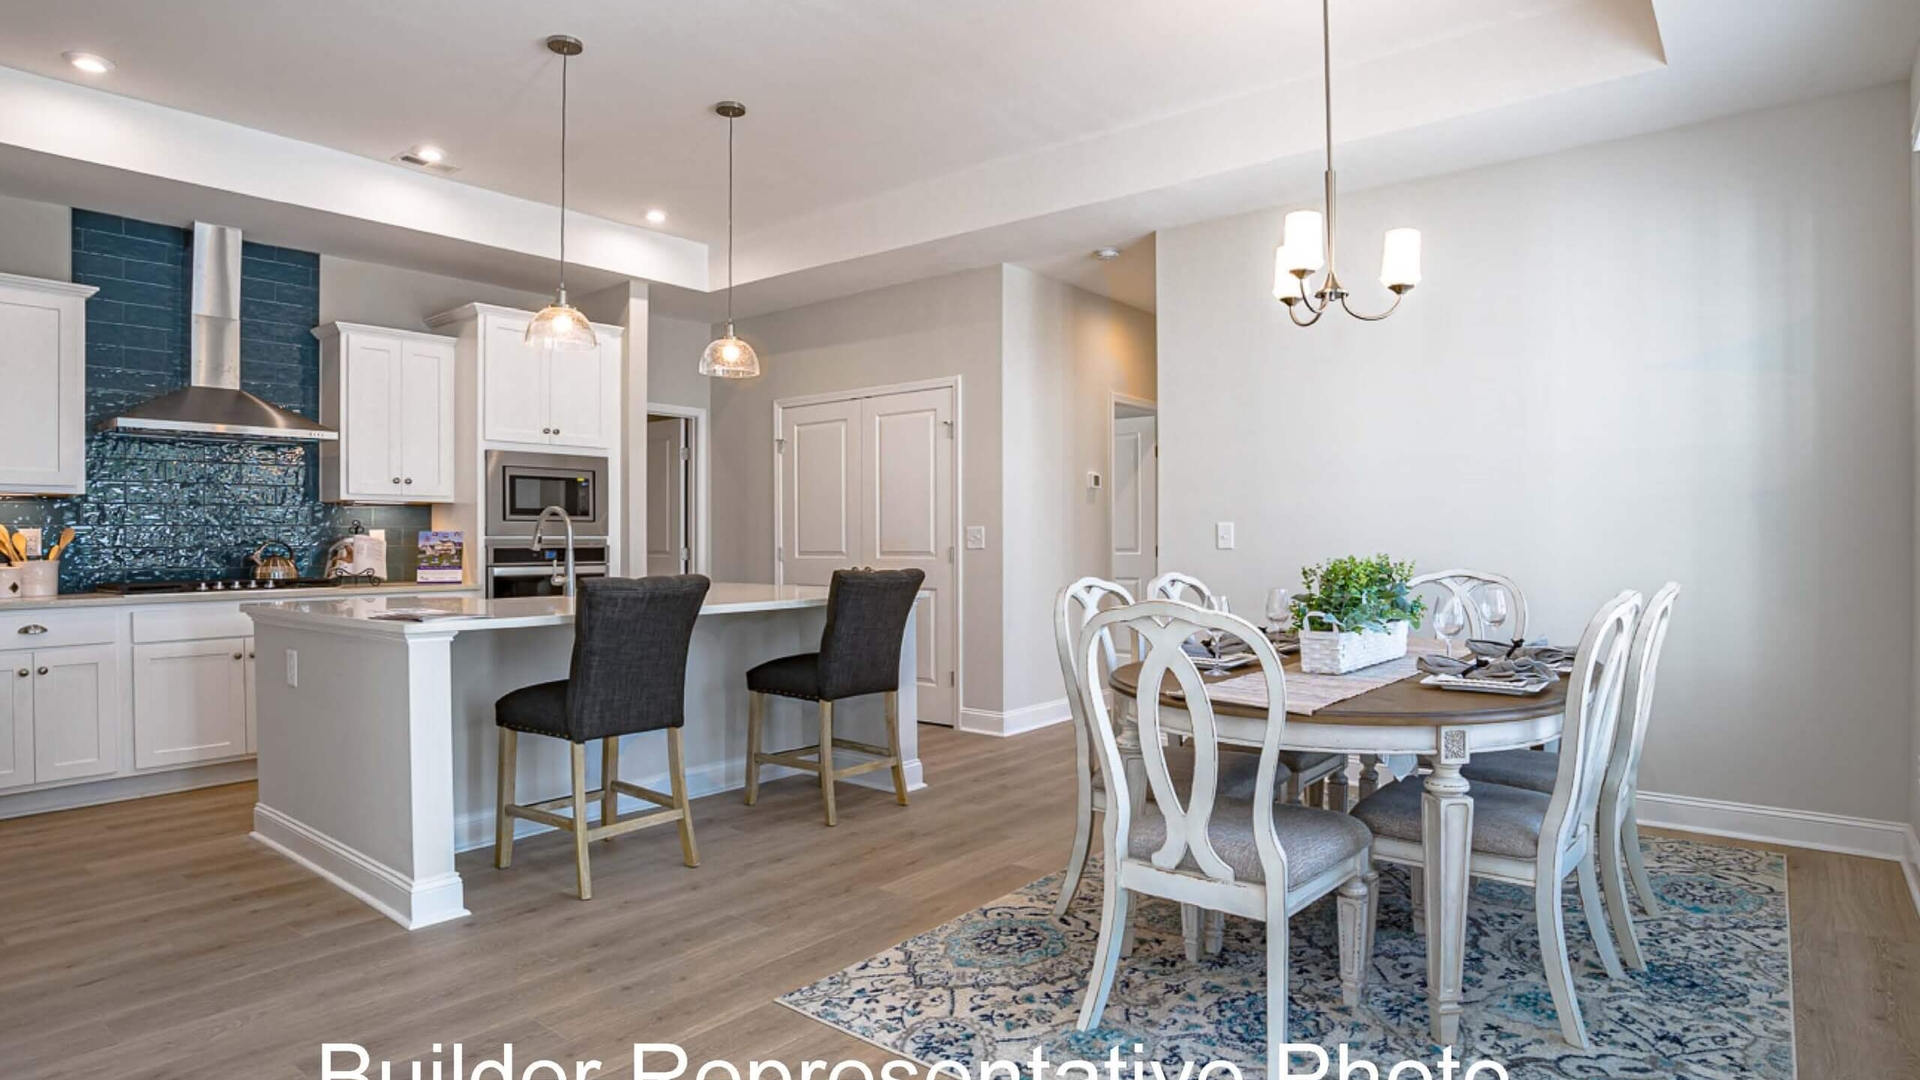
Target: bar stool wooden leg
[
  {"x": 503, "y": 825},
  {"x": 584, "y": 875},
  {"x": 756, "y": 714},
  {"x": 826, "y": 761},
  {"x": 893, "y": 748},
  {"x": 609, "y": 772},
  {"x": 677, "y": 768}
]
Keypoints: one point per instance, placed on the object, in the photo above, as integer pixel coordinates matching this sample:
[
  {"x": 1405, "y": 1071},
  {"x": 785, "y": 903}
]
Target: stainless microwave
[{"x": 521, "y": 485}]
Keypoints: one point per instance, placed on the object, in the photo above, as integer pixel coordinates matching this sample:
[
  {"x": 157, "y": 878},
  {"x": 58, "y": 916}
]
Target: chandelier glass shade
[{"x": 1307, "y": 241}]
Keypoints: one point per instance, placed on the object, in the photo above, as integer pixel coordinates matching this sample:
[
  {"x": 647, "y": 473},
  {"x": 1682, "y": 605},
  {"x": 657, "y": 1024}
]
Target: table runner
[{"x": 1308, "y": 694}]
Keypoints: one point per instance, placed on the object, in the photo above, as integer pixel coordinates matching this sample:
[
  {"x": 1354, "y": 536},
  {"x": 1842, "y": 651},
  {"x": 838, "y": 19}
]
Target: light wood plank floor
[{"x": 153, "y": 939}]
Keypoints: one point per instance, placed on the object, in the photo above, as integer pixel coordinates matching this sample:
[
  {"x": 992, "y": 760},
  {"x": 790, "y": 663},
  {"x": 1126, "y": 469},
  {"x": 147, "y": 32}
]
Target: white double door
[{"x": 868, "y": 480}]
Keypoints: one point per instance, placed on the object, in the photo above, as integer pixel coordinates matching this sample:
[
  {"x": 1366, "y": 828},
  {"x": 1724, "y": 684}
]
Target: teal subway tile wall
[{"x": 170, "y": 509}]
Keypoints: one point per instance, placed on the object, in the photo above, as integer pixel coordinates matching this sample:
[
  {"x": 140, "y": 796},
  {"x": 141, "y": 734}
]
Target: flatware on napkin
[{"x": 1518, "y": 667}]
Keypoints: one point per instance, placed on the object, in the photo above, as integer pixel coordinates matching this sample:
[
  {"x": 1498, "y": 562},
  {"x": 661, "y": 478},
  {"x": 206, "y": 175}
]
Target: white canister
[
  {"x": 11, "y": 587},
  {"x": 39, "y": 577}
]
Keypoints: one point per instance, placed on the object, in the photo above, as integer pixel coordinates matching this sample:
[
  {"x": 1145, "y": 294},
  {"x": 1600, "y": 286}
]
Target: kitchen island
[{"x": 377, "y": 747}]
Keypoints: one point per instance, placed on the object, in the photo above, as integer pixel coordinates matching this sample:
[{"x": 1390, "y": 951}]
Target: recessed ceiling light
[
  {"x": 88, "y": 62},
  {"x": 429, "y": 153},
  {"x": 1106, "y": 254},
  {"x": 656, "y": 217}
]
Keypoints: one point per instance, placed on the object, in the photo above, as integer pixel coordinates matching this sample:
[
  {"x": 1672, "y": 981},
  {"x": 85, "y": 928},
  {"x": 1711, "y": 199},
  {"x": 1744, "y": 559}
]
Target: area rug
[{"x": 991, "y": 985}]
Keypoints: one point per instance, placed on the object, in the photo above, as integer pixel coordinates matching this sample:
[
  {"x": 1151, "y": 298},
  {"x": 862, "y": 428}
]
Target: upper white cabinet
[
  {"x": 390, "y": 393},
  {"x": 539, "y": 397},
  {"x": 44, "y": 369}
]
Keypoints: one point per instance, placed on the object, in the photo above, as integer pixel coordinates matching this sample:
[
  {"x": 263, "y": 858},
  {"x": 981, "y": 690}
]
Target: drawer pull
[
  {"x": 43, "y": 671},
  {"x": 33, "y": 628}
]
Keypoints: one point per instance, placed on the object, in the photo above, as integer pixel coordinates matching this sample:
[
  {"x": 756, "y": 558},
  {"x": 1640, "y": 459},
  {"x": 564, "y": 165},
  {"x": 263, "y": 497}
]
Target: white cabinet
[
  {"x": 60, "y": 716},
  {"x": 190, "y": 701},
  {"x": 390, "y": 395},
  {"x": 540, "y": 397},
  {"x": 44, "y": 368}
]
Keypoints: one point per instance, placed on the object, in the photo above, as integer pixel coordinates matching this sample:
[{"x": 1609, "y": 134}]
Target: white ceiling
[{"x": 892, "y": 139}]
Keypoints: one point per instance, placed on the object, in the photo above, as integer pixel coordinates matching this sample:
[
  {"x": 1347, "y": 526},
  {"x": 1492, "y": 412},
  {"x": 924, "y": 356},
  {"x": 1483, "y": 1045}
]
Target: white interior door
[
  {"x": 1135, "y": 502},
  {"x": 820, "y": 486},
  {"x": 907, "y": 493},
  {"x": 869, "y": 481},
  {"x": 668, "y": 550}
]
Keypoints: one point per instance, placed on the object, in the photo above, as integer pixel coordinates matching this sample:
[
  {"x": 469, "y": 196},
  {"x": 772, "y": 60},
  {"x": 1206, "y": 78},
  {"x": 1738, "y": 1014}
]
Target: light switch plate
[
  {"x": 1223, "y": 535},
  {"x": 976, "y": 538}
]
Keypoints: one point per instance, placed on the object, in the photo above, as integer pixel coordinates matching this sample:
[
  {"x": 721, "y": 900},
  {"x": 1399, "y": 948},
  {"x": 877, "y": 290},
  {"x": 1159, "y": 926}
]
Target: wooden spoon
[
  {"x": 19, "y": 548},
  {"x": 66, "y": 537},
  {"x": 6, "y": 545}
]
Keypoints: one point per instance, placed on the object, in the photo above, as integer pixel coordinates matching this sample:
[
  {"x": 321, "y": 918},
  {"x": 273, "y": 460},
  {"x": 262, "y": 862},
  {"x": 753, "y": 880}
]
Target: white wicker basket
[{"x": 1335, "y": 652}]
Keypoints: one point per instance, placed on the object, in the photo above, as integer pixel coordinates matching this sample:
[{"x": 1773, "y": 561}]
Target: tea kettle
[{"x": 272, "y": 567}]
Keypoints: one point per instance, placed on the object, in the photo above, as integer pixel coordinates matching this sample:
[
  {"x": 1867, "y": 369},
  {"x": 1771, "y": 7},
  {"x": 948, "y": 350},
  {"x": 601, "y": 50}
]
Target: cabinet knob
[
  {"x": 409, "y": 479},
  {"x": 23, "y": 673},
  {"x": 43, "y": 671},
  {"x": 238, "y": 656},
  {"x": 33, "y": 628},
  {"x": 546, "y": 431},
  {"x": 396, "y": 479},
  {"x": 251, "y": 656},
  {"x": 556, "y": 431}
]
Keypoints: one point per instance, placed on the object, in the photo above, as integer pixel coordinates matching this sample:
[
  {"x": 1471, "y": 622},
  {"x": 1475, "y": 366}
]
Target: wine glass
[
  {"x": 1278, "y": 603},
  {"x": 1493, "y": 609},
  {"x": 1449, "y": 621}
]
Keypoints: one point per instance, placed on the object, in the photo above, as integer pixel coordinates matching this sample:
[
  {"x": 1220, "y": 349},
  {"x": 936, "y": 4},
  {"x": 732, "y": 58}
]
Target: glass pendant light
[
  {"x": 560, "y": 325},
  {"x": 728, "y": 357}
]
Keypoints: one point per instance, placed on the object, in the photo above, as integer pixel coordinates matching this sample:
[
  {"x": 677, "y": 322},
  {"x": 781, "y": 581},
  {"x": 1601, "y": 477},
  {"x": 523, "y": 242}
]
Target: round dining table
[{"x": 1443, "y": 727}]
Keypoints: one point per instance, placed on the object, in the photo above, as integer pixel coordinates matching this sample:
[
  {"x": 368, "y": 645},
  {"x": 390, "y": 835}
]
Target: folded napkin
[
  {"x": 1516, "y": 650},
  {"x": 1519, "y": 668}
]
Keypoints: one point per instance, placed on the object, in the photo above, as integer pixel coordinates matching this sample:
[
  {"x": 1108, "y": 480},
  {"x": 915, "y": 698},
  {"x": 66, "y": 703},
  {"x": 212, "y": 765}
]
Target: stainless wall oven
[
  {"x": 513, "y": 569},
  {"x": 520, "y": 485}
]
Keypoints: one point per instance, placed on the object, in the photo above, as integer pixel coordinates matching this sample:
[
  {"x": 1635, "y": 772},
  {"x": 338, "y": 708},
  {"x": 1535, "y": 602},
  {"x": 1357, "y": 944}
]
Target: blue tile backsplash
[{"x": 164, "y": 509}]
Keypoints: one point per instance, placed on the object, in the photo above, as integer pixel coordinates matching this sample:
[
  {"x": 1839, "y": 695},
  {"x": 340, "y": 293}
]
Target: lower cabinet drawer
[
  {"x": 189, "y": 701},
  {"x": 47, "y": 629},
  {"x": 190, "y": 622}
]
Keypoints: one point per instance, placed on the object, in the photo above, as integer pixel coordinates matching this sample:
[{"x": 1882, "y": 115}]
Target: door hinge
[
  {"x": 686, "y": 453},
  {"x": 779, "y": 554},
  {"x": 779, "y": 446},
  {"x": 953, "y": 678},
  {"x": 949, "y": 552},
  {"x": 951, "y": 429},
  {"x": 686, "y": 556},
  {"x": 1156, "y": 451}
]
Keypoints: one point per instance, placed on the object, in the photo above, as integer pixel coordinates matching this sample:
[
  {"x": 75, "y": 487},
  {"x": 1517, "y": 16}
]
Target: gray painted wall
[
  {"x": 1628, "y": 363},
  {"x": 363, "y": 292},
  {"x": 36, "y": 239},
  {"x": 1913, "y": 176},
  {"x": 674, "y": 346}
]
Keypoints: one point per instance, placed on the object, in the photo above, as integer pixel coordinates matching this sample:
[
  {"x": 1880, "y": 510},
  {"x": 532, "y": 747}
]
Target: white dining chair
[
  {"x": 1495, "y": 607},
  {"x": 1259, "y": 859},
  {"x": 1075, "y": 606},
  {"x": 1535, "y": 839},
  {"x": 1319, "y": 777},
  {"x": 1616, "y": 824}
]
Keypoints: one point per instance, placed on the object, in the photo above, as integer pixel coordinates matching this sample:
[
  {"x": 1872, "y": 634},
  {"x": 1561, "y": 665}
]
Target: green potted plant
[{"x": 1355, "y": 612}]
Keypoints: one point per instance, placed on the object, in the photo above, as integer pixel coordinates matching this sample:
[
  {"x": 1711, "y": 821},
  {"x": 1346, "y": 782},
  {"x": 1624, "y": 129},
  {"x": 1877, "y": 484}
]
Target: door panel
[
  {"x": 424, "y": 427},
  {"x": 76, "y": 721},
  {"x": 666, "y": 496},
  {"x": 190, "y": 701},
  {"x": 907, "y": 490},
  {"x": 16, "y": 720},
  {"x": 516, "y": 384},
  {"x": 820, "y": 491},
  {"x": 367, "y": 415},
  {"x": 32, "y": 407}
]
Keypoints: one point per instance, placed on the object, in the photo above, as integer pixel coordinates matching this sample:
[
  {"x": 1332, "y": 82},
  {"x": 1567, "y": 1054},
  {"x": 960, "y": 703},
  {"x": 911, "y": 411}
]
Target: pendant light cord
[
  {"x": 563, "y": 177},
  {"x": 729, "y": 226}
]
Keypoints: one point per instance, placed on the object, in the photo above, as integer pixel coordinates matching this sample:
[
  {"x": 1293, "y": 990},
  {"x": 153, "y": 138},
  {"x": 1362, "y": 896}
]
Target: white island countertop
[{"x": 429, "y": 613}]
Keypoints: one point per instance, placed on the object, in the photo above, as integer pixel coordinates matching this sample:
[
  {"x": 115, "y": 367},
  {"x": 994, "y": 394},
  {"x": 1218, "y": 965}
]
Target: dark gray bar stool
[
  {"x": 629, "y": 675},
  {"x": 859, "y": 654}
]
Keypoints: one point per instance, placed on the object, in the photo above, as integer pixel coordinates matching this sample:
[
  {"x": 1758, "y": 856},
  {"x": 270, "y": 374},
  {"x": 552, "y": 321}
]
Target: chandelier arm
[
  {"x": 1298, "y": 321},
  {"x": 1372, "y": 318}
]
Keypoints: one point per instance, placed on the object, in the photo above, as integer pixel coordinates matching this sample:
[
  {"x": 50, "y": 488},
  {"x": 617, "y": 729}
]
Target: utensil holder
[
  {"x": 11, "y": 587},
  {"x": 39, "y": 577}
]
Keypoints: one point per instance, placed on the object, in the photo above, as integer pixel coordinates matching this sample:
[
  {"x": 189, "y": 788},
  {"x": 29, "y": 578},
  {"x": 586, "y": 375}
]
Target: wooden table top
[{"x": 1398, "y": 704}]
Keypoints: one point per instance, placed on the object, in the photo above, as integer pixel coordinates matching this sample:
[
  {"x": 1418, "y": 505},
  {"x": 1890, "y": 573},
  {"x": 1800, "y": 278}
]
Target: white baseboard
[
  {"x": 474, "y": 829},
  {"x": 412, "y": 904},
  {"x": 1018, "y": 721},
  {"x": 1891, "y": 840},
  {"x": 120, "y": 788}
]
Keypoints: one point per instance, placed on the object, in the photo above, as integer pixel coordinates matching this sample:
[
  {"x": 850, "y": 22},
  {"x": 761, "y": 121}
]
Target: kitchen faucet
[{"x": 539, "y": 529}]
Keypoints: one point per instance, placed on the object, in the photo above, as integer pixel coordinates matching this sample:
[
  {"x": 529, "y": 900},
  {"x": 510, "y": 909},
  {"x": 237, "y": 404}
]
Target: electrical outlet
[
  {"x": 976, "y": 538},
  {"x": 293, "y": 668},
  {"x": 32, "y": 538},
  {"x": 1223, "y": 535}
]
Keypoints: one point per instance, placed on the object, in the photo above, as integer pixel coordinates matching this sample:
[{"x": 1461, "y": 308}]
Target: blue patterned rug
[{"x": 1716, "y": 1001}]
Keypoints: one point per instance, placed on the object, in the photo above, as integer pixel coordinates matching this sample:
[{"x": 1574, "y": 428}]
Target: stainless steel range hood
[{"x": 214, "y": 406}]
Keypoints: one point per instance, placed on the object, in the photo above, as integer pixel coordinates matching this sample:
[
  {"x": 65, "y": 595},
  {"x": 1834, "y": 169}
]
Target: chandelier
[{"x": 1307, "y": 241}]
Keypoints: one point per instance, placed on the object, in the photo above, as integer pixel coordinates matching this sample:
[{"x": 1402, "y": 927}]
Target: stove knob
[{"x": 201, "y": 587}]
